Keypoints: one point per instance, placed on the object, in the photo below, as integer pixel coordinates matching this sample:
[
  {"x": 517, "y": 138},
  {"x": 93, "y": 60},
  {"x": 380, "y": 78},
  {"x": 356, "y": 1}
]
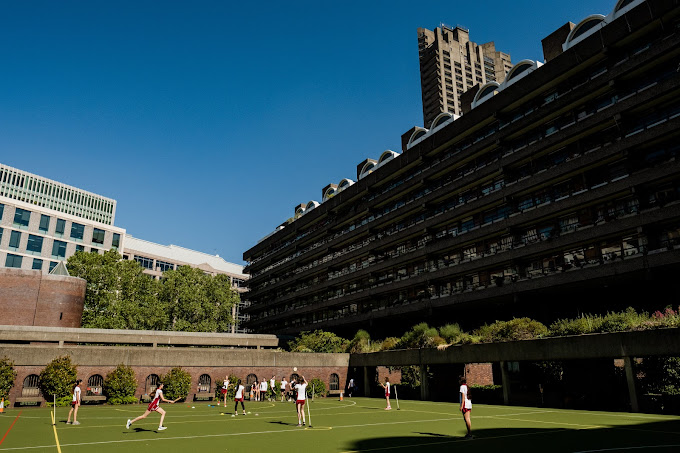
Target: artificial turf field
[{"x": 356, "y": 424}]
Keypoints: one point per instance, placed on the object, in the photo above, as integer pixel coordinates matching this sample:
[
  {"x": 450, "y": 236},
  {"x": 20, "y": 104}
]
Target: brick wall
[{"x": 479, "y": 374}]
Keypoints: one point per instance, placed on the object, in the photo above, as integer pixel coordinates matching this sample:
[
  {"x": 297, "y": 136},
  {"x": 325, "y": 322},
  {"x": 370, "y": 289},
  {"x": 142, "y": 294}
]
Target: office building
[
  {"x": 451, "y": 64},
  {"x": 556, "y": 193}
]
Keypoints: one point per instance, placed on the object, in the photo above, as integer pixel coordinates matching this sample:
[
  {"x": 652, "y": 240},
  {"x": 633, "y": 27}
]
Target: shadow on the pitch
[
  {"x": 434, "y": 434},
  {"x": 283, "y": 423},
  {"x": 142, "y": 430}
]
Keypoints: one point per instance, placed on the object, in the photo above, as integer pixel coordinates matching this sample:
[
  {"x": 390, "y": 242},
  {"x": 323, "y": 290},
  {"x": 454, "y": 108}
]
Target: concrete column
[
  {"x": 424, "y": 384},
  {"x": 367, "y": 383},
  {"x": 505, "y": 381},
  {"x": 61, "y": 343},
  {"x": 630, "y": 378}
]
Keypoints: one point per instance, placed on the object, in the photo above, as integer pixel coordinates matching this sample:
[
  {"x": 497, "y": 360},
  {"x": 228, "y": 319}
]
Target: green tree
[
  {"x": 58, "y": 378},
  {"x": 7, "y": 376},
  {"x": 421, "y": 336},
  {"x": 198, "y": 302},
  {"x": 120, "y": 385},
  {"x": 360, "y": 343},
  {"x": 118, "y": 294},
  {"x": 318, "y": 341},
  {"x": 176, "y": 384}
]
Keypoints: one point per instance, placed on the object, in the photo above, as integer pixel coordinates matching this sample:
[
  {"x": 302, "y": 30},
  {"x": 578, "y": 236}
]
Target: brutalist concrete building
[{"x": 556, "y": 193}]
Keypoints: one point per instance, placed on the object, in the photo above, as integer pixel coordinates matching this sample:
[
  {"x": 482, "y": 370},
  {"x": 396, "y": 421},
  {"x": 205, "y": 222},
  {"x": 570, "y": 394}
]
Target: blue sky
[{"x": 208, "y": 121}]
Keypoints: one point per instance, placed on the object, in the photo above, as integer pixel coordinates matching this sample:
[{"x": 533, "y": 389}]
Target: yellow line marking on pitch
[{"x": 54, "y": 427}]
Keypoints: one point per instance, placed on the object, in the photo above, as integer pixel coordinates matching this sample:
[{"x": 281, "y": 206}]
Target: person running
[
  {"x": 386, "y": 386},
  {"x": 225, "y": 388},
  {"x": 272, "y": 385},
  {"x": 350, "y": 387},
  {"x": 466, "y": 406},
  {"x": 301, "y": 389},
  {"x": 240, "y": 389},
  {"x": 263, "y": 389},
  {"x": 75, "y": 404},
  {"x": 154, "y": 406},
  {"x": 284, "y": 384}
]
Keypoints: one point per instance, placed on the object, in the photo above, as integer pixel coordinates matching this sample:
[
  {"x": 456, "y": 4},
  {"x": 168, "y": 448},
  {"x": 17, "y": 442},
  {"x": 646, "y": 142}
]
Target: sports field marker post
[
  {"x": 309, "y": 416},
  {"x": 54, "y": 419},
  {"x": 396, "y": 396}
]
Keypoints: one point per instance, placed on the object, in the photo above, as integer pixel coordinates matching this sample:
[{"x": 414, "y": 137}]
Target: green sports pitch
[{"x": 352, "y": 425}]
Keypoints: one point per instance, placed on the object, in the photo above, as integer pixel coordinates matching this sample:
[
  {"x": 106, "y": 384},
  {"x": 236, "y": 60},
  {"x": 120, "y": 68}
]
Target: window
[
  {"x": 2, "y": 210},
  {"x": 204, "y": 383},
  {"x": 163, "y": 266},
  {"x": 44, "y": 223},
  {"x": 14, "y": 240},
  {"x": 30, "y": 387},
  {"x": 34, "y": 244},
  {"x": 53, "y": 264},
  {"x": 59, "y": 249},
  {"x": 22, "y": 218},
  {"x": 152, "y": 382},
  {"x": 98, "y": 236},
  {"x": 145, "y": 262},
  {"x": 80, "y": 248},
  {"x": 94, "y": 250},
  {"x": 94, "y": 385},
  {"x": 115, "y": 243},
  {"x": 60, "y": 228},
  {"x": 334, "y": 383},
  {"x": 77, "y": 231},
  {"x": 37, "y": 264},
  {"x": 13, "y": 261}
]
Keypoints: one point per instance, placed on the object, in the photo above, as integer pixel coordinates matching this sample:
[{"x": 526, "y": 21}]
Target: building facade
[
  {"x": 451, "y": 64},
  {"x": 557, "y": 193}
]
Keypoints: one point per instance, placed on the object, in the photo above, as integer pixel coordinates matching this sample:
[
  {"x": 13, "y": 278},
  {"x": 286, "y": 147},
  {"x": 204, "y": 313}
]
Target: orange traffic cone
[
  {"x": 340, "y": 396},
  {"x": 2, "y": 406}
]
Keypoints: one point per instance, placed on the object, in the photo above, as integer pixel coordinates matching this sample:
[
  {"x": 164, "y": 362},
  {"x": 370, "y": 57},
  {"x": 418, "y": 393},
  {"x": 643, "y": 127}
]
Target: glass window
[
  {"x": 44, "y": 223},
  {"x": 34, "y": 244},
  {"x": 60, "y": 228},
  {"x": 0, "y": 235},
  {"x": 145, "y": 262},
  {"x": 22, "y": 217},
  {"x": 13, "y": 261},
  {"x": 53, "y": 264},
  {"x": 163, "y": 266},
  {"x": 59, "y": 249},
  {"x": 80, "y": 248},
  {"x": 37, "y": 264},
  {"x": 2, "y": 210},
  {"x": 98, "y": 236},
  {"x": 14, "y": 240},
  {"x": 77, "y": 231},
  {"x": 94, "y": 250},
  {"x": 115, "y": 243}
]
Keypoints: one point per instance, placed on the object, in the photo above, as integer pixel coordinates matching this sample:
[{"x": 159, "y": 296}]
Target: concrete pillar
[
  {"x": 61, "y": 343},
  {"x": 367, "y": 383},
  {"x": 505, "y": 381},
  {"x": 630, "y": 378},
  {"x": 424, "y": 384}
]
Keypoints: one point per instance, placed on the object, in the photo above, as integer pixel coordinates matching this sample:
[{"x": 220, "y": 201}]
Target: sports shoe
[
  {"x": 469, "y": 436},
  {"x": 68, "y": 422},
  {"x": 129, "y": 422},
  {"x": 76, "y": 423},
  {"x": 161, "y": 428},
  {"x": 299, "y": 425}
]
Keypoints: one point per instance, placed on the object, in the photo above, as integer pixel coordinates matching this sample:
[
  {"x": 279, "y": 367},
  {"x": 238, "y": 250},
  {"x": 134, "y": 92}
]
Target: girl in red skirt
[
  {"x": 240, "y": 390},
  {"x": 300, "y": 399},
  {"x": 154, "y": 406}
]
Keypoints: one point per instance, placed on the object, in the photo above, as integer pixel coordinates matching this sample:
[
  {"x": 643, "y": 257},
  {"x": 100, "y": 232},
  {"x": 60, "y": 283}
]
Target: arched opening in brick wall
[
  {"x": 334, "y": 382},
  {"x": 95, "y": 385},
  {"x": 30, "y": 387},
  {"x": 152, "y": 382},
  {"x": 250, "y": 380},
  {"x": 204, "y": 383}
]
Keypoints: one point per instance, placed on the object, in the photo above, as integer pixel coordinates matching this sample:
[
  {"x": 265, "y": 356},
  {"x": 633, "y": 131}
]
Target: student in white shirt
[
  {"x": 284, "y": 383},
  {"x": 386, "y": 386},
  {"x": 225, "y": 388},
  {"x": 263, "y": 389},
  {"x": 301, "y": 388},
  {"x": 154, "y": 406},
  {"x": 272, "y": 385},
  {"x": 75, "y": 404},
  {"x": 240, "y": 389},
  {"x": 466, "y": 406}
]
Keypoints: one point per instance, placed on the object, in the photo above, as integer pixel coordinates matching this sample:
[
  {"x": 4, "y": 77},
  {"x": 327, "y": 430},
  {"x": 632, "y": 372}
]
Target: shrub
[
  {"x": 119, "y": 384},
  {"x": 421, "y": 336},
  {"x": 63, "y": 401},
  {"x": 317, "y": 386},
  {"x": 122, "y": 400},
  {"x": 620, "y": 322},
  {"x": 389, "y": 343},
  {"x": 273, "y": 393},
  {"x": 451, "y": 333},
  {"x": 578, "y": 326},
  {"x": 58, "y": 378},
  {"x": 661, "y": 375},
  {"x": 318, "y": 341},
  {"x": 7, "y": 376},
  {"x": 515, "y": 329},
  {"x": 176, "y": 384},
  {"x": 360, "y": 343}
]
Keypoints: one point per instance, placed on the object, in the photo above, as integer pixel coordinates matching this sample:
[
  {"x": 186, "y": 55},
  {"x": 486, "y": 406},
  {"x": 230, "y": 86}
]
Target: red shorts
[
  {"x": 466, "y": 410},
  {"x": 301, "y": 402},
  {"x": 154, "y": 405},
  {"x": 387, "y": 395},
  {"x": 74, "y": 403},
  {"x": 224, "y": 391},
  {"x": 236, "y": 400}
]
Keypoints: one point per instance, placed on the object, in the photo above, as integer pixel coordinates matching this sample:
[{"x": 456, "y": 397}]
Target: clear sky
[{"x": 208, "y": 121}]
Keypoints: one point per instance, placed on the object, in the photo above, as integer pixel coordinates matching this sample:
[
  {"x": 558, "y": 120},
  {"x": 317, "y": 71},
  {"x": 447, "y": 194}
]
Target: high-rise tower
[{"x": 451, "y": 64}]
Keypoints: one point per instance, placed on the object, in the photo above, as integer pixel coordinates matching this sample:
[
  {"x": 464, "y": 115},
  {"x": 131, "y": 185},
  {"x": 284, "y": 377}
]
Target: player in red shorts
[
  {"x": 301, "y": 389},
  {"x": 240, "y": 389},
  {"x": 466, "y": 406},
  {"x": 386, "y": 386},
  {"x": 75, "y": 404},
  {"x": 154, "y": 406},
  {"x": 225, "y": 387}
]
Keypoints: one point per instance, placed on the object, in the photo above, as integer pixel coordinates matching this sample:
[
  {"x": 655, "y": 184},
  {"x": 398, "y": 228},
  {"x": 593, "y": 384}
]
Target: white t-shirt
[
  {"x": 76, "y": 394},
  {"x": 263, "y": 386},
  {"x": 272, "y": 382},
  {"x": 351, "y": 383},
  {"x": 464, "y": 394},
  {"x": 225, "y": 385},
  {"x": 239, "y": 392},
  {"x": 284, "y": 383},
  {"x": 301, "y": 391},
  {"x": 387, "y": 388}
]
